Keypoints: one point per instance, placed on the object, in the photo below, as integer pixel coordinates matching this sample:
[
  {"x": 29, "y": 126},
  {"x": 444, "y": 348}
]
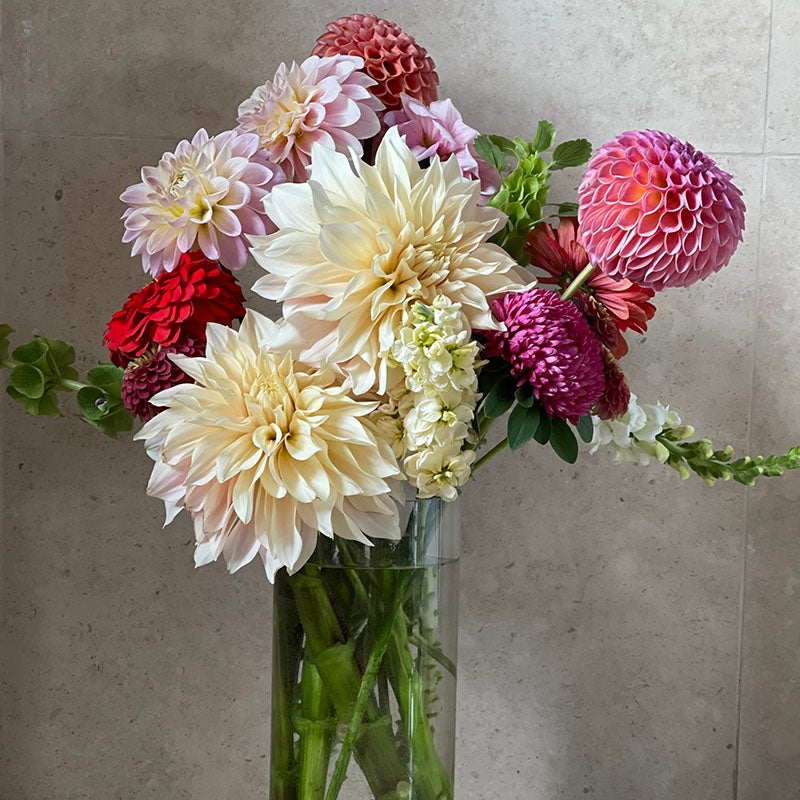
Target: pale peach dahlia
[
  {"x": 264, "y": 452},
  {"x": 321, "y": 101}
]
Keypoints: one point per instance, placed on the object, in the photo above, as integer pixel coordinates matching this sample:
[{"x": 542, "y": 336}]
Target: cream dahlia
[
  {"x": 207, "y": 194},
  {"x": 321, "y": 101},
  {"x": 264, "y": 452},
  {"x": 359, "y": 243}
]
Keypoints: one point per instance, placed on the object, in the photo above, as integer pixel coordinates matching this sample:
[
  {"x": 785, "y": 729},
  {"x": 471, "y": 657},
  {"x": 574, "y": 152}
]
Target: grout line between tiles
[
  {"x": 766, "y": 156},
  {"x": 120, "y": 137}
]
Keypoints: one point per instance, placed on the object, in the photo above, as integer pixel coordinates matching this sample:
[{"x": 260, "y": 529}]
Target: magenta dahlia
[
  {"x": 550, "y": 346},
  {"x": 657, "y": 211},
  {"x": 392, "y": 58},
  {"x": 153, "y": 372}
]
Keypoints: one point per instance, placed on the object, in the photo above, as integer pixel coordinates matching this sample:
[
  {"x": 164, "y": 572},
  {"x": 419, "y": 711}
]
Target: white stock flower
[
  {"x": 439, "y": 471},
  {"x": 633, "y": 435},
  {"x": 264, "y": 452},
  {"x": 357, "y": 244}
]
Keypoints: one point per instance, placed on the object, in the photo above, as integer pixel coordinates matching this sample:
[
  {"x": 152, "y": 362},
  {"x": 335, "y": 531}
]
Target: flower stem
[
  {"x": 499, "y": 447},
  {"x": 365, "y": 691},
  {"x": 578, "y": 281},
  {"x": 315, "y": 726},
  {"x": 71, "y": 386}
]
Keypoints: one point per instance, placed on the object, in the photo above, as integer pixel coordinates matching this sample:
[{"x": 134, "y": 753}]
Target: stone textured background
[{"x": 624, "y": 636}]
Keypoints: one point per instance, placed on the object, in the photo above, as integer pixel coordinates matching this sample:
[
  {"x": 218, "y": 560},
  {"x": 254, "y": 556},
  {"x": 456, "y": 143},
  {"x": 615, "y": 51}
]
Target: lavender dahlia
[{"x": 550, "y": 346}]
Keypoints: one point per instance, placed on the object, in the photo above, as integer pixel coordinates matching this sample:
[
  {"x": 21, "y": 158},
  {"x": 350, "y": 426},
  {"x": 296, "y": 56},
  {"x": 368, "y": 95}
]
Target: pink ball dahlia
[
  {"x": 391, "y": 57},
  {"x": 658, "y": 212},
  {"x": 550, "y": 346},
  {"x": 154, "y": 372}
]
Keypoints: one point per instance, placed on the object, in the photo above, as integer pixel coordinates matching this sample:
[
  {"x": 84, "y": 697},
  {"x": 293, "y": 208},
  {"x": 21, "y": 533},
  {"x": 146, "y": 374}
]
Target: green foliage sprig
[
  {"x": 528, "y": 420},
  {"x": 42, "y": 367},
  {"x": 525, "y": 180},
  {"x": 711, "y": 465}
]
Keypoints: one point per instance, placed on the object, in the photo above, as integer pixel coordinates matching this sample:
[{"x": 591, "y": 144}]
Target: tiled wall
[{"x": 624, "y": 635}]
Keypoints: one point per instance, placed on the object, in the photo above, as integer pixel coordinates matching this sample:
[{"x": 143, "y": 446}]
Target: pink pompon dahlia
[
  {"x": 391, "y": 58},
  {"x": 207, "y": 194},
  {"x": 153, "y": 372},
  {"x": 439, "y": 130},
  {"x": 561, "y": 254},
  {"x": 658, "y": 212},
  {"x": 550, "y": 346},
  {"x": 323, "y": 100}
]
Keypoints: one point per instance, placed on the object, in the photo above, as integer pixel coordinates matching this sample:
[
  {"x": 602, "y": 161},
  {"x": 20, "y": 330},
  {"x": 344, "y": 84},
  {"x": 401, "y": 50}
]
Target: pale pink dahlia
[
  {"x": 153, "y": 372},
  {"x": 391, "y": 58},
  {"x": 658, "y": 212},
  {"x": 207, "y": 194},
  {"x": 550, "y": 346},
  {"x": 323, "y": 100},
  {"x": 439, "y": 130}
]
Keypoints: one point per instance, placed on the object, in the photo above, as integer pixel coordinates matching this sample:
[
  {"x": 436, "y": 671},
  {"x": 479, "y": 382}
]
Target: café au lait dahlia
[
  {"x": 265, "y": 452},
  {"x": 358, "y": 243}
]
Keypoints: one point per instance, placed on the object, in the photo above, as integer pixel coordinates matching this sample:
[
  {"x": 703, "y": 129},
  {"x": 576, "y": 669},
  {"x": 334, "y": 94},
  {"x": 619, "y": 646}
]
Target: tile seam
[{"x": 766, "y": 156}]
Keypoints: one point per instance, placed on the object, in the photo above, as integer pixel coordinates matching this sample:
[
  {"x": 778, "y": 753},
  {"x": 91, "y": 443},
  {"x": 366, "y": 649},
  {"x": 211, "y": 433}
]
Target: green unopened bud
[{"x": 679, "y": 434}]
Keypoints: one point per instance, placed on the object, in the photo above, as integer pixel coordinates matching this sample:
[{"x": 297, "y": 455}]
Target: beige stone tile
[
  {"x": 123, "y": 672},
  {"x": 770, "y": 731},
  {"x": 591, "y": 66},
  {"x": 783, "y": 118},
  {"x": 600, "y": 617}
]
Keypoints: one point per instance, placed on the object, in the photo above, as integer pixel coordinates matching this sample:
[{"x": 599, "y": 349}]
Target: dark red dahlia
[
  {"x": 616, "y": 396},
  {"x": 176, "y": 305},
  {"x": 602, "y": 324},
  {"x": 152, "y": 373},
  {"x": 561, "y": 254}
]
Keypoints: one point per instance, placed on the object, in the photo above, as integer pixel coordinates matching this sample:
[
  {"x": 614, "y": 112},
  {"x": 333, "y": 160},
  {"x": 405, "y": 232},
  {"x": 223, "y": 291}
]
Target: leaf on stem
[{"x": 523, "y": 424}]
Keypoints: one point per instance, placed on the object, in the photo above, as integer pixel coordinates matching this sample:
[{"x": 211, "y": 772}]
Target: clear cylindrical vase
[{"x": 364, "y": 665}]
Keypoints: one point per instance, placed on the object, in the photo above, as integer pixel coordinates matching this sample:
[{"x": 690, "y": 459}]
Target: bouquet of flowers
[{"x": 428, "y": 289}]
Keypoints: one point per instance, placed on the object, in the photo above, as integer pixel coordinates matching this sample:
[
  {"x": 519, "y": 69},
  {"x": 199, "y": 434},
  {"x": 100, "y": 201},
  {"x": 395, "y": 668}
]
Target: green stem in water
[
  {"x": 578, "y": 281},
  {"x": 499, "y": 447},
  {"x": 316, "y": 727},
  {"x": 365, "y": 691}
]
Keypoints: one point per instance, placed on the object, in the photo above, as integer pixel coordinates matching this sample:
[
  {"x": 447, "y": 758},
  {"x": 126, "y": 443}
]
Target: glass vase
[{"x": 364, "y": 665}]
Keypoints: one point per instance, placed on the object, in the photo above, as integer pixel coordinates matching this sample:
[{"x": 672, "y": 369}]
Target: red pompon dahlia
[
  {"x": 174, "y": 306},
  {"x": 550, "y": 346},
  {"x": 617, "y": 395},
  {"x": 152, "y": 373},
  {"x": 602, "y": 324},
  {"x": 561, "y": 254},
  {"x": 391, "y": 57},
  {"x": 656, "y": 211}
]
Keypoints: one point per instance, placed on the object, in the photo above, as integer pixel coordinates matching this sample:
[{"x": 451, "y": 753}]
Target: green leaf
[
  {"x": 28, "y": 380},
  {"x": 567, "y": 209},
  {"x": 30, "y": 352},
  {"x": 544, "y": 137},
  {"x": 5, "y": 332},
  {"x": 571, "y": 154},
  {"x": 491, "y": 153},
  {"x": 503, "y": 143},
  {"x": 104, "y": 412},
  {"x": 563, "y": 441},
  {"x": 524, "y": 395},
  {"x": 63, "y": 354},
  {"x": 522, "y": 425},
  {"x": 500, "y": 398},
  {"x": 542, "y": 434},
  {"x": 93, "y": 403},
  {"x": 106, "y": 376},
  {"x": 46, "y": 406},
  {"x": 585, "y": 428}
]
